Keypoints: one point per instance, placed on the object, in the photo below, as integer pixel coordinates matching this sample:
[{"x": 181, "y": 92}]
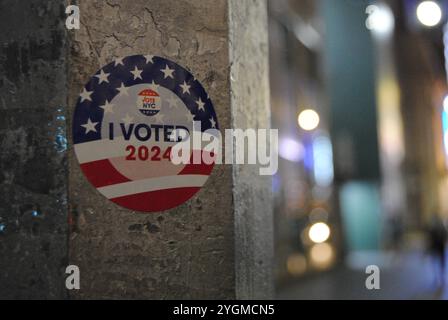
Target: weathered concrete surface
[
  {"x": 187, "y": 252},
  {"x": 253, "y": 211},
  {"x": 217, "y": 245},
  {"x": 33, "y": 214}
]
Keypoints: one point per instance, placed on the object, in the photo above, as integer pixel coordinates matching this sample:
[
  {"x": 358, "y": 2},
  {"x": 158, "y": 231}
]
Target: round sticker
[{"x": 123, "y": 129}]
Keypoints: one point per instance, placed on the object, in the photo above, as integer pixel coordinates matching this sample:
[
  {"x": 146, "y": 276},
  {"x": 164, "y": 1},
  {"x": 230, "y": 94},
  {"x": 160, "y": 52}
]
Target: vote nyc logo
[{"x": 149, "y": 102}]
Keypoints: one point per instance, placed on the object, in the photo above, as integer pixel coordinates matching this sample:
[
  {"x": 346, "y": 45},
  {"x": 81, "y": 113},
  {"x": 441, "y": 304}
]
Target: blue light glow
[
  {"x": 291, "y": 150},
  {"x": 323, "y": 161},
  {"x": 445, "y": 131}
]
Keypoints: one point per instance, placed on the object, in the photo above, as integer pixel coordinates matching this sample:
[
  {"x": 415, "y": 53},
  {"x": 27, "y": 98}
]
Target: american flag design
[{"x": 122, "y": 127}]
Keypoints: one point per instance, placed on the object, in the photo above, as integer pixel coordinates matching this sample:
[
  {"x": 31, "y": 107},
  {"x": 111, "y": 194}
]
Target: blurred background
[{"x": 359, "y": 94}]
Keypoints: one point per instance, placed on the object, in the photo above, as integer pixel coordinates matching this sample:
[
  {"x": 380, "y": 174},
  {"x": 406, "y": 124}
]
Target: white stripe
[
  {"x": 99, "y": 150},
  {"x": 153, "y": 184}
]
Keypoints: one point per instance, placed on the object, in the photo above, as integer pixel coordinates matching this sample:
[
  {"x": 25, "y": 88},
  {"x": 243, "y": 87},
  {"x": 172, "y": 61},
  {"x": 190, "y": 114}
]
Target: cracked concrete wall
[
  {"x": 33, "y": 167},
  {"x": 187, "y": 252},
  {"x": 216, "y": 245}
]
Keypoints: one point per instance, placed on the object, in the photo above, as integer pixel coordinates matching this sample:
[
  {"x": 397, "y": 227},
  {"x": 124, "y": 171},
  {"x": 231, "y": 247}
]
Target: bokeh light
[
  {"x": 290, "y": 149},
  {"x": 319, "y": 232},
  {"x": 445, "y": 104},
  {"x": 318, "y": 215},
  {"x": 429, "y": 13},
  {"x": 380, "y": 19},
  {"x": 308, "y": 119},
  {"x": 323, "y": 170},
  {"x": 296, "y": 264},
  {"x": 322, "y": 255}
]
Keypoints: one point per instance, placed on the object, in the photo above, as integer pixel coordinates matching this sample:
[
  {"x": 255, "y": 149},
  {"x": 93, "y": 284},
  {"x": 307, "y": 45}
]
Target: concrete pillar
[
  {"x": 219, "y": 243},
  {"x": 249, "y": 94},
  {"x": 33, "y": 166}
]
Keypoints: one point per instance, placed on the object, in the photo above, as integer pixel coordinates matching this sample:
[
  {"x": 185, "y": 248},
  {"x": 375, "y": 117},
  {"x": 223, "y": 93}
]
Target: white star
[
  {"x": 168, "y": 72},
  {"x": 119, "y": 61},
  {"x": 201, "y": 104},
  {"x": 123, "y": 89},
  {"x": 107, "y": 107},
  {"x": 102, "y": 77},
  {"x": 213, "y": 122},
  {"x": 85, "y": 95},
  {"x": 89, "y": 126},
  {"x": 172, "y": 102},
  {"x": 127, "y": 120},
  {"x": 149, "y": 58},
  {"x": 190, "y": 116},
  {"x": 137, "y": 73},
  {"x": 154, "y": 86},
  {"x": 185, "y": 88},
  {"x": 159, "y": 117}
]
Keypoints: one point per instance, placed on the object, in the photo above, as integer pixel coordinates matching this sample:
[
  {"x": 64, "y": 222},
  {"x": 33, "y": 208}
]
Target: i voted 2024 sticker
[{"x": 123, "y": 127}]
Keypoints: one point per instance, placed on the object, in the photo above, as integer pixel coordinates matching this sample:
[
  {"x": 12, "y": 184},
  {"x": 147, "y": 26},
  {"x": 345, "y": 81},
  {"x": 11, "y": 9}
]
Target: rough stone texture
[
  {"x": 248, "y": 48},
  {"x": 33, "y": 212},
  {"x": 187, "y": 252}
]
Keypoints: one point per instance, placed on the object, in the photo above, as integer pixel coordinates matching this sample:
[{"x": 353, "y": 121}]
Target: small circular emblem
[{"x": 148, "y": 102}]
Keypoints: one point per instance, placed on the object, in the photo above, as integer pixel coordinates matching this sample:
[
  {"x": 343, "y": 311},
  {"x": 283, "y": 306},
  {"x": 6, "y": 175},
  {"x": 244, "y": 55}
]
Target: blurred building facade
[
  {"x": 303, "y": 186},
  {"x": 376, "y": 78}
]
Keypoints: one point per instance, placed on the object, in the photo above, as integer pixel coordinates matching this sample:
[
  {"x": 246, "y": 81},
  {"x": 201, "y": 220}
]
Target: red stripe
[
  {"x": 155, "y": 201},
  {"x": 202, "y": 168},
  {"x": 102, "y": 173}
]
